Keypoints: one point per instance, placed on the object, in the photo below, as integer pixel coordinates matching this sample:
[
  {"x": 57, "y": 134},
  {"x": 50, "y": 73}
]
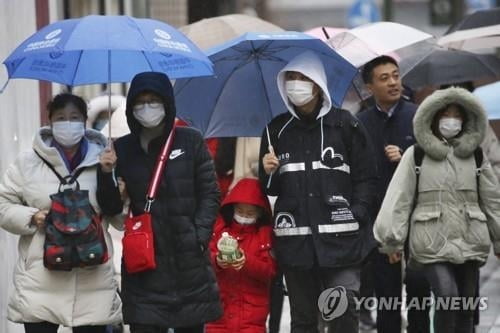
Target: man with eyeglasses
[{"x": 182, "y": 292}]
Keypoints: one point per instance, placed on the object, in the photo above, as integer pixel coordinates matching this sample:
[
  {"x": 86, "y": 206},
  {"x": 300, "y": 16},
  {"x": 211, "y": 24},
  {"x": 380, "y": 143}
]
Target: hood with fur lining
[{"x": 473, "y": 128}]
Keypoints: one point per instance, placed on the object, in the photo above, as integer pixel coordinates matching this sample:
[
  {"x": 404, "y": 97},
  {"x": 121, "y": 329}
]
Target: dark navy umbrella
[{"x": 243, "y": 95}]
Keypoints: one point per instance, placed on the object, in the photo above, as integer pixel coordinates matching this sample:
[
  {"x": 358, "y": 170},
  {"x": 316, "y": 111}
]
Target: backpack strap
[
  {"x": 418, "y": 156},
  {"x": 479, "y": 158},
  {"x": 69, "y": 179}
]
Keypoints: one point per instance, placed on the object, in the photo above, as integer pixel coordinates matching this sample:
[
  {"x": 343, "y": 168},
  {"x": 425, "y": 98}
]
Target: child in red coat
[{"x": 244, "y": 283}]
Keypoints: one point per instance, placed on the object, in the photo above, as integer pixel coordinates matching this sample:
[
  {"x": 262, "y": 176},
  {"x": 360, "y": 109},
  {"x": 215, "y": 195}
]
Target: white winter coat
[{"x": 83, "y": 296}]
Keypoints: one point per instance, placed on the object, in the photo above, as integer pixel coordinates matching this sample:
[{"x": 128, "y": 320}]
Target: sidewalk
[{"x": 490, "y": 287}]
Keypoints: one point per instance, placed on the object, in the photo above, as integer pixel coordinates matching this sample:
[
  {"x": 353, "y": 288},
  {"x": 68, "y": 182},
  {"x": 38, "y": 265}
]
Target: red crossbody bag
[{"x": 138, "y": 240}]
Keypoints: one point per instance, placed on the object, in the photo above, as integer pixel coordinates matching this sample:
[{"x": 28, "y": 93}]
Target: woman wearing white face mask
[
  {"x": 452, "y": 209},
  {"x": 83, "y": 298},
  {"x": 245, "y": 283},
  {"x": 181, "y": 292}
]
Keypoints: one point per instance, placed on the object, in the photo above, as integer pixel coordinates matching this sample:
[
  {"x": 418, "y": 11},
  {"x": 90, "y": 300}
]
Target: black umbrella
[
  {"x": 444, "y": 66},
  {"x": 478, "y": 19}
]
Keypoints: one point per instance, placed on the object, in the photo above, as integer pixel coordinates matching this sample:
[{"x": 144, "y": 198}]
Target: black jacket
[
  {"x": 383, "y": 130},
  {"x": 182, "y": 290},
  {"x": 322, "y": 205}
]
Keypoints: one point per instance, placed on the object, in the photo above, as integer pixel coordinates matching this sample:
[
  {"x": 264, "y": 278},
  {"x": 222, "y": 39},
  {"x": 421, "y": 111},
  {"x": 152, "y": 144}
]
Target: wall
[{"x": 19, "y": 118}]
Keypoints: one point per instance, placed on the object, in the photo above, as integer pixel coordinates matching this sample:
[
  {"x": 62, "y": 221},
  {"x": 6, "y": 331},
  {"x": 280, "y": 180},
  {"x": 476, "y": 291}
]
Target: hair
[
  {"x": 61, "y": 100},
  {"x": 367, "y": 72},
  {"x": 438, "y": 115}
]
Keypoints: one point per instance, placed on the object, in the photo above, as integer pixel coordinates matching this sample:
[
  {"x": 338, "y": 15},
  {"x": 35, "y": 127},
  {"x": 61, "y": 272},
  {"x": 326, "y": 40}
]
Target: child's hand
[
  {"x": 221, "y": 262},
  {"x": 239, "y": 263}
]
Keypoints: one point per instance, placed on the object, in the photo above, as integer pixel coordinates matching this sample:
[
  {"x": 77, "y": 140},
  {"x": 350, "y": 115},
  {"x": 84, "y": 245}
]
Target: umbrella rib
[
  {"x": 147, "y": 60},
  {"x": 76, "y": 68},
  {"x": 264, "y": 85}
]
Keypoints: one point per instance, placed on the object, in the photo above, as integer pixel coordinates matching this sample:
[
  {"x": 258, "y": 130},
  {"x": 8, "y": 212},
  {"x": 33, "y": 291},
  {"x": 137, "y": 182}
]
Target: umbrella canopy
[
  {"x": 478, "y": 19},
  {"x": 243, "y": 96},
  {"x": 101, "y": 49},
  {"x": 319, "y": 33},
  {"x": 490, "y": 98},
  {"x": 443, "y": 66},
  {"x": 478, "y": 30},
  {"x": 364, "y": 43},
  {"x": 214, "y": 31}
]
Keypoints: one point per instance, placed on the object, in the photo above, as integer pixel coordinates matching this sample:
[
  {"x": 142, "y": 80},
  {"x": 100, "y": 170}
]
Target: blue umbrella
[
  {"x": 243, "y": 96},
  {"x": 104, "y": 49}
]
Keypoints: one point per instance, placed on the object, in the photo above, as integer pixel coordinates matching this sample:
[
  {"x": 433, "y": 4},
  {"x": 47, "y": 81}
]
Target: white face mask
[
  {"x": 449, "y": 127},
  {"x": 244, "y": 220},
  {"x": 299, "y": 92},
  {"x": 150, "y": 116},
  {"x": 68, "y": 133}
]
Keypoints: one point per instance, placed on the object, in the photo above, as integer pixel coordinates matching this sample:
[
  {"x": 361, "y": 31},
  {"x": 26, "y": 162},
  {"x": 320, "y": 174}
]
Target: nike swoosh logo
[{"x": 176, "y": 153}]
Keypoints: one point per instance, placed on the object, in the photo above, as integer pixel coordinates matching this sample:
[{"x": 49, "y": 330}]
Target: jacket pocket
[
  {"x": 477, "y": 230},
  {"x": 337, "y": 220},
  {"x": 290, "y": 232},
  {"x": 427, "y": 233}
]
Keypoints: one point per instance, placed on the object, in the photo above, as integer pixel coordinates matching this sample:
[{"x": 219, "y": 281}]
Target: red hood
[{"x": 248, "y": 191}]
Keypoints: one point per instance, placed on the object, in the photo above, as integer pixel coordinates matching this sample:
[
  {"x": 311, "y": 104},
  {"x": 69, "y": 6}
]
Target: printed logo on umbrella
[
  {"x": 53, "y": 34},
  {"x": 162, "y": 34},
  {"x": 166, "y": 42},
  {"x": 50, "y": 41}
]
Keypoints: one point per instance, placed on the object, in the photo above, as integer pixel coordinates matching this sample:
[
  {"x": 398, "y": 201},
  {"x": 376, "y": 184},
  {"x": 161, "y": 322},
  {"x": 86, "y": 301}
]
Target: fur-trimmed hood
[{"x": 473, "y": 129}]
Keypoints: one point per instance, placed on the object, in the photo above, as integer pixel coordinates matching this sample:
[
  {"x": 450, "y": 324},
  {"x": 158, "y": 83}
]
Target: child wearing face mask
[
  {"x": 450, "y": 213},
  {"x": 244, "y": 282}
]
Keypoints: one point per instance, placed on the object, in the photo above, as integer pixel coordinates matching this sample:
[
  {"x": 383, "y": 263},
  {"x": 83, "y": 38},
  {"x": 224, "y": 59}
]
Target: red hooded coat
[{"x": 244, "y": 293}]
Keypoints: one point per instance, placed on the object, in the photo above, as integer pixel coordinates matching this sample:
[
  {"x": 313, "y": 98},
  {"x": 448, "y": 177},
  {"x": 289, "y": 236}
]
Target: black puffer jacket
[{"x": 182, "y": 290}]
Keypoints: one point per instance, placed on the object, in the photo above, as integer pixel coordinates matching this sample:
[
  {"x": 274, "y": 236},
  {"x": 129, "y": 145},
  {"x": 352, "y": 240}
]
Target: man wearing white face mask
[
  {"x": 318, "y": 161},
  {"x": 181, "y": 292}
]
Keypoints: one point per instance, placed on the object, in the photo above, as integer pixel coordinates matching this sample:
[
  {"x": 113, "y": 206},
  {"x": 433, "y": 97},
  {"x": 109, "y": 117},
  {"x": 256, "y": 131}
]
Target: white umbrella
[
  {"x": 472, "y": 39},
  {"x": 364, "y": 43}
]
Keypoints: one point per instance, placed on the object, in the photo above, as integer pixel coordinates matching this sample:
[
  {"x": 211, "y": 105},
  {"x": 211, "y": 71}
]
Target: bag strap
[
  {"x": 63, "y": 180},
  {"x": 478, "y": 157},
  {"x": 418, "y": 155},
  {"x": 161, "y": 163}
]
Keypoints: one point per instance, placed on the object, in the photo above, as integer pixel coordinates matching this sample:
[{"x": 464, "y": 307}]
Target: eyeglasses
[{"x": 151, "y": 104}]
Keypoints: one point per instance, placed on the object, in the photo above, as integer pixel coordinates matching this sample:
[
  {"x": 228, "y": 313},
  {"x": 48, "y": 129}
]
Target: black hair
[
  {"x": 61, "y": 100},
  {"x": 367, "y": 72}
]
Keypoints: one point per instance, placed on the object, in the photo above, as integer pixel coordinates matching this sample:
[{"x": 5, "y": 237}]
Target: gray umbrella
[{"x": 443, "y": 66}]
